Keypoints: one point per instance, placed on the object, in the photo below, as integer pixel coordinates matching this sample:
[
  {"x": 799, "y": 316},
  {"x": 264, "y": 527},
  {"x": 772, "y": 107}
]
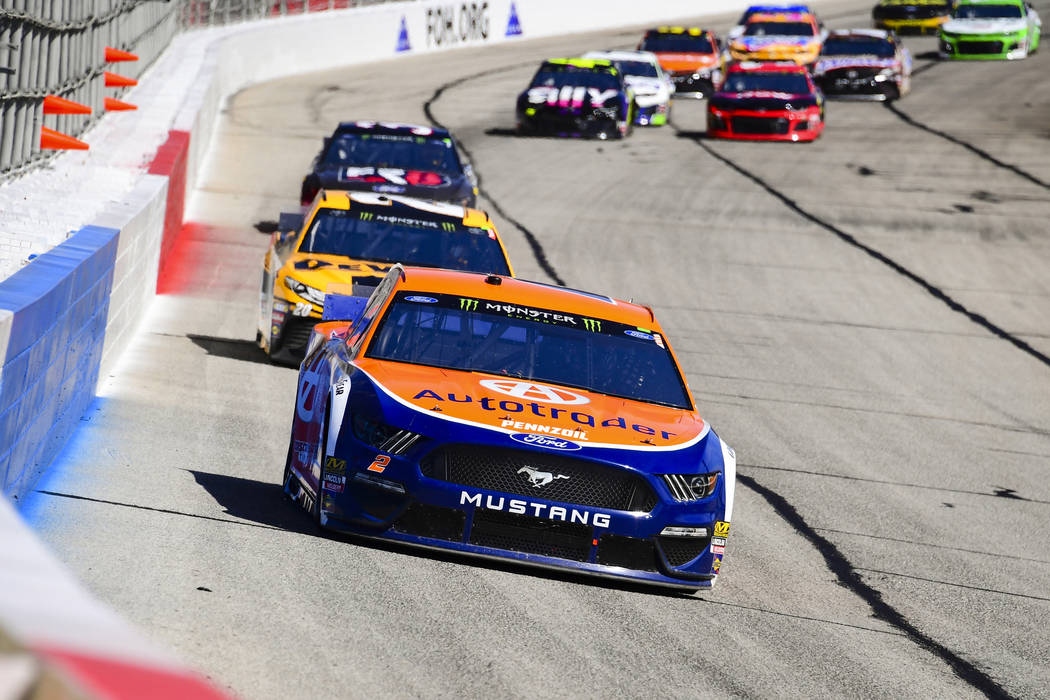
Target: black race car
[
  {"x": 863, "y": 64},
  {"x": 415, "y": 161},
  {"x": 577, "y": 97}
]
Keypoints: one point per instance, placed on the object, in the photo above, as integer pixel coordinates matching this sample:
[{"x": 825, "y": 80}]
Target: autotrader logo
[
  {"x": 468, "y": 304},
  {"x": 535, "y": 392}
]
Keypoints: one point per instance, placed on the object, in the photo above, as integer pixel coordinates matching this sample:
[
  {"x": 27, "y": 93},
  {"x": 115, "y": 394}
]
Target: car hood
[
  {"x": 427, "y": 184},
  {"x": 752, "y": 43},
  {"x": 859, "y": 61},
  {"x": 571, "y": 98},
  {"x": 525, "y": 409},
  {"x": 678, "y": 62},
  {"x": 319, "y": 271},
  {"x": 761, "y": 99},
  {"x": 985, "y": 26}
]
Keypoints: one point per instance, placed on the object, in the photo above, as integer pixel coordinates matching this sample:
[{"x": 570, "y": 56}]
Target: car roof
[
  {"x": 622, "y": 55},
  {"x": 766, "y": 67},
  {"x": 691, "y": 31},
  {"x": 522, "y": 292},
  {"x": 370, "y": 127},
  {"x": 873, "y": 33},
  {"x": 345, "y": 200},
  {"x": 777, "y": 8},
  {"x": 781, "y": 17}
]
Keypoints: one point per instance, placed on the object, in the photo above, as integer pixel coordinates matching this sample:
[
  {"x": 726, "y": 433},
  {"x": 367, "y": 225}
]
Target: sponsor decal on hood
[
  {"x": 397, "y": 177},
  {"x": 1007, "y": 25},
  {"x": 534, "y": 412},
  {"x": 571, "y": 96},
  {"x": 761, "y": 42},
  {"x": 855, "y": 62}
]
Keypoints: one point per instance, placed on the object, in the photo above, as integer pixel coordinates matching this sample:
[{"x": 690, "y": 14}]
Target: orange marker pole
[
  {"x": 112, "y": 105},
  {"x": 115, "y": 55},
  {"x": 54, "y": 140},
  {"x": 53, "y": 104},
  {"x": 114, "y": 80}
]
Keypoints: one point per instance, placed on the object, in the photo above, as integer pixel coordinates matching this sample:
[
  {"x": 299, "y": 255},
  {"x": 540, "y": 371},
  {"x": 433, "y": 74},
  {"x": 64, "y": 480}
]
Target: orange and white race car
[
  {"x": 689, "y": 55},
  {"x": 779, "y": 36}
]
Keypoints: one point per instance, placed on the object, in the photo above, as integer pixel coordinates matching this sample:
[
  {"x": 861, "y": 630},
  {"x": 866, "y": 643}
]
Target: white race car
[{"x": 652, "y": 87}]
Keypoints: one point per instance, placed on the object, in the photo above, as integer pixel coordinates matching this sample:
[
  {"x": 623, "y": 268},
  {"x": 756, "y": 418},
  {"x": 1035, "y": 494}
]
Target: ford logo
[
  {"x": 639, "y": 334},
  {"x": 422, "y": 300},
  {"x": 547, "y": 441}
]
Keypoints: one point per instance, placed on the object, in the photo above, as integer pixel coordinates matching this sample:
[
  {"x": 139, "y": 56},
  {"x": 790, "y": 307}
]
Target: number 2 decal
[{"x": 379, "y": 464}]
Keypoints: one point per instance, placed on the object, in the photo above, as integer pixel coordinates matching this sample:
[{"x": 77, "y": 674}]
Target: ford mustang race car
[
  {"x": 691, "y": 56},
  {"x": 915, "y": 16},
  {"x": 784, "y": 36},
  {"x": 991, "y": 29},
  {"x": 416, "y": 161},
  {"x": 863, "y": 64},
  {"x": 766, "y": 102},
  {"x": 652, "y": 88},
  {"x": 509, "y": 419},
  {"x": 577, "y": 97},
  {"x": 352, "y": 238},
  {"x": 741, "y": 23}
]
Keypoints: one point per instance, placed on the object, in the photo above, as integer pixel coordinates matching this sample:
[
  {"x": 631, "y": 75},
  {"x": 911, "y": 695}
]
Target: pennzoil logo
[
  {"x": 468, "y": 304},
  {"x": 593, "y": 325}
]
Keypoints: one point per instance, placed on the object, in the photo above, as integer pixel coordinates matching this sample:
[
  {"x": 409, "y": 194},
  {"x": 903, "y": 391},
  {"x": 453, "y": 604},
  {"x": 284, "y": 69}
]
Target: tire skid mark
[
  {"x": 538, "y": 251},
  {"x": 796, "y": 616},
  {"x": 849, "y": 578},
  {"x": 916, "y": 543},
  {"x": 932, "y": 289},
  {"x": 999, "y": 492},
  {"x": 167, "y": 511},
  {"x": 980, "y": 153},
  {"x": 897, "y": 574}
]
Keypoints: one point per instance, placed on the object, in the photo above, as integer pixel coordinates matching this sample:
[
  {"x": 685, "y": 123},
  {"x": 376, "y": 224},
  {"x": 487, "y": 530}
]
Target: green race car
[{"x": 991, "y": 29}]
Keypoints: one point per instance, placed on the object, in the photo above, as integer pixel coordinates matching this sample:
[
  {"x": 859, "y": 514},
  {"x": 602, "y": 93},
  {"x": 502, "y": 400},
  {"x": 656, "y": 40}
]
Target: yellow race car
[
  {"x": 779, "y": 36},
  {"x": 353, "y": 238},
  {"x": 912, "y": 16}
]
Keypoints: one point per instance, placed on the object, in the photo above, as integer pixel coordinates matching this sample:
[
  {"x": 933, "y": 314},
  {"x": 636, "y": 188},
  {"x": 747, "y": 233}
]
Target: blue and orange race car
[{"x": 509, "y": 419}]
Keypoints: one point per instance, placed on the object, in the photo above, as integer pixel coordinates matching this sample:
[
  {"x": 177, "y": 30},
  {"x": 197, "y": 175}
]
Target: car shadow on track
[
  {"x": 232, "y": 348},
  {"x": 265, "y": 504}
]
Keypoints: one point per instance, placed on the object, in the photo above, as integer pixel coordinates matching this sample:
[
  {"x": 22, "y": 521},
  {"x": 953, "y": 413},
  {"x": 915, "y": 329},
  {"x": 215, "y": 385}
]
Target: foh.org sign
[{"x": 448, "y": 25}]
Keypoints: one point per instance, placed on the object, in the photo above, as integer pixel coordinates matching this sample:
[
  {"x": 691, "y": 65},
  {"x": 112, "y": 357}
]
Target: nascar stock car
[
  {"x": 691, "y": 56},
  {"x": 741, "y": 23},
  {"x": 781, "y": 36},
  {"x": 509, "y": 419},
  {"x": 416, "y": 161},
  {"x": 352, "y": 238},
  {"x": 979, "y": 29},
  {"x": 652, "y": 88},
  {"x": 863, "y": 64},
  {"x": 767, "y": 102},
  {"x": 577, "y": 97},
  {"x": 912, "y": 16}
]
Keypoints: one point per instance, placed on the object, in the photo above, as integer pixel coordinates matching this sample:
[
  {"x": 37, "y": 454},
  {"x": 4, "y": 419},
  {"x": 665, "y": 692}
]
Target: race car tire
[{"x": 892, "y": 93}]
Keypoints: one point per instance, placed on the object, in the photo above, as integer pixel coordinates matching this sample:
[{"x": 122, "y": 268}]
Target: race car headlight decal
[
  {"x": 676, "y": 531},
  {"x": 314, "y": 295},
  {"x": 691, "y": 487},
  {"x": 384, "y": 437}
]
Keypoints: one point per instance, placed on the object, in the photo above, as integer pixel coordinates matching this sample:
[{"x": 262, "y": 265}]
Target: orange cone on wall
[
  {"x": 112, "y": 105},
  {"x": 114, "y": 80},
  {"x": 53, "y": 104},
  {"x": 54, "y": 140},
  {"x": 114, "y": 55}
]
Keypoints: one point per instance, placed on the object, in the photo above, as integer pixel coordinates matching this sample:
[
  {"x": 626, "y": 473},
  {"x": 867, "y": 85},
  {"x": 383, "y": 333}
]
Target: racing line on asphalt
[{"x": 835, "y": 560}]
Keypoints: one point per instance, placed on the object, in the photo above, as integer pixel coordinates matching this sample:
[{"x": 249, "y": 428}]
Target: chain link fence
[{"x": 57, "y": 47}]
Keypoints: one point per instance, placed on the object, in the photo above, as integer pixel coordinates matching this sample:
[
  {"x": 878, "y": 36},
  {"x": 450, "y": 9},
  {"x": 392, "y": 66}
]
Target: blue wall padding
[{"x": 60, "y": 303}]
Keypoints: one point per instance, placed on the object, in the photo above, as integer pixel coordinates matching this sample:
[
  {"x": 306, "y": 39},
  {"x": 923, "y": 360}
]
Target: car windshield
[
  {"x": 779, "y": 29},
  {"x": 559, "y": 76},
  {"x": 405, "y": 151},
  {"x": 478, "y": 335},
  {"x": 677, "y": 43},
  {"x": 642, "y": 69},
  {"x": 403, "y": 234},
  {"x": 790, "y": 83},
  {"x": 856, "y": 46},
  {"x": 987, "y": 11}
]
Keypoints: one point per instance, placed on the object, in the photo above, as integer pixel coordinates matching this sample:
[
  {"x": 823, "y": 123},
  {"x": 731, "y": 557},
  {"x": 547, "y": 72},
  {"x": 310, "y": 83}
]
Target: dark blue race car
[
  {"x": 416, "y": 161},
  {"x": 509, "y": 419}
]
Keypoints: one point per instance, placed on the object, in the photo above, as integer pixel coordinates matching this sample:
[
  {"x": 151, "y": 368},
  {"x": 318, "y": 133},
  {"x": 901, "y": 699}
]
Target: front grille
[
  {"x": 860, "y": 73},
  {"x": 979, "y": 47},
  {"x": 516, "y": 471},
  {"x": 296, "y": 334},
  {"x": 759, "y": 125},
  {"x": 520, "y": 533},
  {"x": 431, "y": 521},
  {"x": 627, "y": 552},
  {"x": 682, "y": 550}
]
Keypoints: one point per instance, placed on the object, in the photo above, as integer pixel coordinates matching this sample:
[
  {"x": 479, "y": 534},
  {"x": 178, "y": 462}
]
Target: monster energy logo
[
  {"x": 367, "y": 215},
  {"x": 593, "y": 325},
  {"x": 448, "y": 226},
  {"x": 468, "y": 304}
]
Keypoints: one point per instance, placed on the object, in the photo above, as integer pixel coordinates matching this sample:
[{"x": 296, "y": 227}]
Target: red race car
[{"x": 766, "y": 102}]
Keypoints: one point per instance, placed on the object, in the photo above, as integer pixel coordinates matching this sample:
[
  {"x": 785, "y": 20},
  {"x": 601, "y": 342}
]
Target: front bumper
[
  {"x": 693, "y": 85},
  {"x": 983, "y": 47},
  {"x": 770, "y": 125},
  {"x": 912, "y": 25},
  {"x": 570, "y": 124},
  {"x": 405, "y": 506},
  {"x": 872, "y": 88}
]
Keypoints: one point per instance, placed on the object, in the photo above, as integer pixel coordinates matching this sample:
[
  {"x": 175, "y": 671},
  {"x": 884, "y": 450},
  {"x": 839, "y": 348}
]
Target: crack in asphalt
[
  {"x": 538, "y": 252},
  {"x": 917, "y": 543},
  {"x": 932, "y": 289},
  {"x": 848, "y": 577},
  {"x": 980, "y": 153},
  {"x": 897, "y": 574}
]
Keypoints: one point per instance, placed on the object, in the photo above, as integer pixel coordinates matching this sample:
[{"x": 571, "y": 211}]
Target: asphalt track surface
[{"x": 865, "y": 319}]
